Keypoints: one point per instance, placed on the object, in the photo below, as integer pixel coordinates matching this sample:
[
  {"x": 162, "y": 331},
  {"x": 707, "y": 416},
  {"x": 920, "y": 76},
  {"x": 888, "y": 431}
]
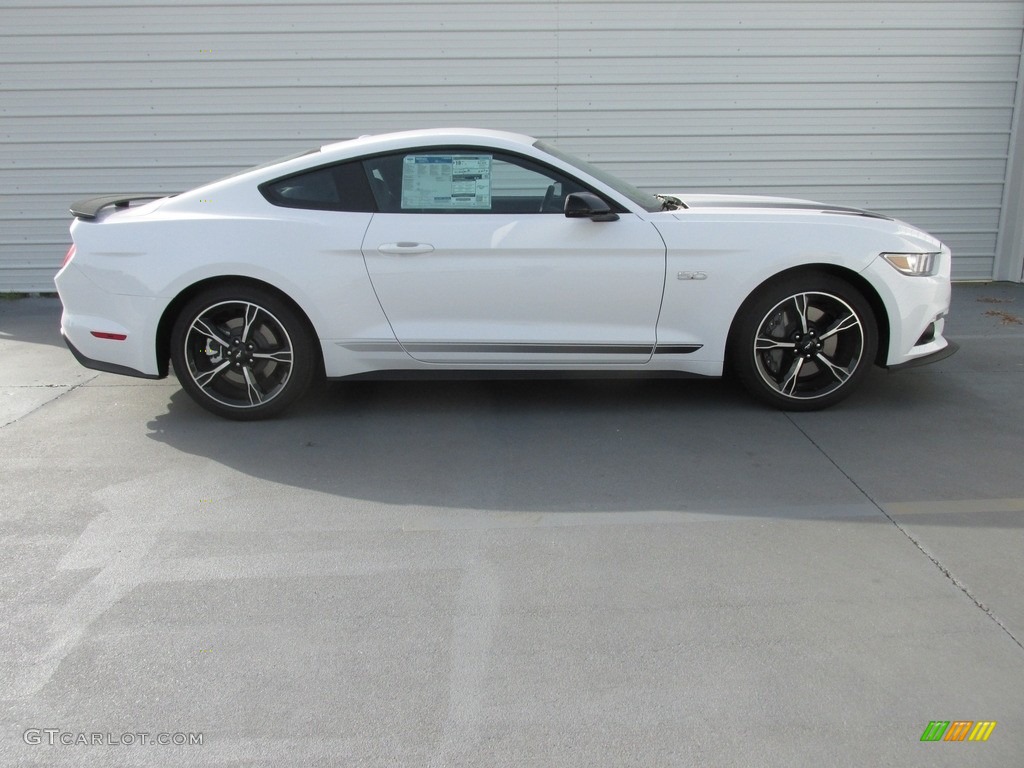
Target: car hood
[{"x": 752, "y": 202}]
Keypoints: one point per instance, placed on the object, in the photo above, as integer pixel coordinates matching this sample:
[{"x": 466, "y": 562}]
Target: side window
[
  {"x": 340, "y": 187},
  {"x": 465, "y": 181},
  {"x": 523, "y": 187}
]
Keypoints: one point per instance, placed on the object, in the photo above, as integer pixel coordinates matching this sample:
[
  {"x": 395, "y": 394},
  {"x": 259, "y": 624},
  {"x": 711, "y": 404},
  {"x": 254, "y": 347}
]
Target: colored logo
[{"x": 958, "y": 730}]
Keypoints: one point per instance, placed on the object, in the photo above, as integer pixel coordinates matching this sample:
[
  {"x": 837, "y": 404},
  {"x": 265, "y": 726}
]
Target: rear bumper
[
  {"x": 91, "y": 313},
  {"x": 100, "y": 365}
]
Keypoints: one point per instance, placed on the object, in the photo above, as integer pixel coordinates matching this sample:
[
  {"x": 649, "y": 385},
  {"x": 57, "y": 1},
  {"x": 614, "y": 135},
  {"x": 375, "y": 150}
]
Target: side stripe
[
  {"x": 532, "y": 349},
  {"x": 529, "y": 349}
]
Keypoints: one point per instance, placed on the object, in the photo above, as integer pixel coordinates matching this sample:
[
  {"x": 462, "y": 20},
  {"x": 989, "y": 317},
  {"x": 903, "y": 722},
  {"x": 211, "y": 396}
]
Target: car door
[{"x": 473, "y": 261}]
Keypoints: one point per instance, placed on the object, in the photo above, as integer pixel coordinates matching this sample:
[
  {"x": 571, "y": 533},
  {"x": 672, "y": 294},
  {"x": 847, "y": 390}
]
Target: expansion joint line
[
  {"x": 921, "y": 548},
  {"x": 68, "y": 391}
]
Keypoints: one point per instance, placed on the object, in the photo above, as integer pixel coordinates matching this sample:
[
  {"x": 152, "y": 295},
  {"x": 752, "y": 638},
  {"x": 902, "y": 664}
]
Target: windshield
[{"x": 644, "y": 199}]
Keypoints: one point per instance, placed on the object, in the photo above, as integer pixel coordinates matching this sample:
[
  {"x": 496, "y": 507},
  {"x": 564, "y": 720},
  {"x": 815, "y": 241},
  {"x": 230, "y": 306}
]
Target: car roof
[
  {"x": 366, "y": 145},
  {"x": 440, "y": 136}
]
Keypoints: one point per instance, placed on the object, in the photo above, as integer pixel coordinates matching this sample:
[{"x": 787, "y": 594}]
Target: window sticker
[{"x": 446, "y": 182}]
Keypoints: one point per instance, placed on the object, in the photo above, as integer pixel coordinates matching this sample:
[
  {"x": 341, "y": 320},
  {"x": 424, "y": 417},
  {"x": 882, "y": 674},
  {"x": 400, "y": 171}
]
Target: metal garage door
[{"x": 904, "y": 107}]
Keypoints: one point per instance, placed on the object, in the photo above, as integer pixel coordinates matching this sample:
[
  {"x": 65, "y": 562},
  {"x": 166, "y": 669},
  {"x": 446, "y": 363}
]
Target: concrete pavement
[{"x": 514, "y": 573}]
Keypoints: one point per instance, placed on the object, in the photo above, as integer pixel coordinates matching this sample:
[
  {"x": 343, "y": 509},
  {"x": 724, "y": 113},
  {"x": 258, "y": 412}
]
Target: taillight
[{"x": 68, "y": 256}]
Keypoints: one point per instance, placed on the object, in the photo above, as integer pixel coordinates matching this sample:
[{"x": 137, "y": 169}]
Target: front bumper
[
  {"x": 917, "y": 309},
  {"x": 948, "y": 351}
]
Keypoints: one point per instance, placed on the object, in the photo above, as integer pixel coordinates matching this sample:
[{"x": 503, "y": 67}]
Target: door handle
[{"x": 405, "y": 249}]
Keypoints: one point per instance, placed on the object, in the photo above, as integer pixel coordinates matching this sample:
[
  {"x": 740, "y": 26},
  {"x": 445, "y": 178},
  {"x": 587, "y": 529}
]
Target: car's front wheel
[
  {"x": 242, "y": 353},
  {"x": 804, "y": 342}
]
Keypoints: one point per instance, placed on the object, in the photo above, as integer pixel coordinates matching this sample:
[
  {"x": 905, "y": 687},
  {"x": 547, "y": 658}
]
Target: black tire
[
  {"x": 803, "y": 342},
  {"x": 242, "y": 353}
]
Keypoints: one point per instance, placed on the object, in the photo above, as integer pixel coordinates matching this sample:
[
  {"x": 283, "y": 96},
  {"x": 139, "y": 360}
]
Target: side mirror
[{"x": 587, "y": 205}]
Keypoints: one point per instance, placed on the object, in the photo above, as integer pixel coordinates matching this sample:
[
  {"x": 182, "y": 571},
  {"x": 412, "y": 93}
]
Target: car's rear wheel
[
  {"x": 804, "y": 342},
  {"x": 242, "y": 353}
]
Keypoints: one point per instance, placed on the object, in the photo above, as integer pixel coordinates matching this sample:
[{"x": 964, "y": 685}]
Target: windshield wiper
[{"x": 670, "y": 202}]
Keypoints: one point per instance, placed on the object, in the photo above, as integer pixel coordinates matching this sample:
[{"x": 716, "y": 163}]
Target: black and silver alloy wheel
[
  {"x": 805, "y": 343},
  {"x": 241, "y": 354}
]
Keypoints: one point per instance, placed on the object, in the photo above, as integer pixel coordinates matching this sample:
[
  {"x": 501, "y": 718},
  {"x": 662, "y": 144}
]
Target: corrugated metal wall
[{"x": 904, "y": 107}]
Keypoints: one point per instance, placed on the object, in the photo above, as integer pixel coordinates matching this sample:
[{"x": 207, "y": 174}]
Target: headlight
[{"x": 917, "y": 264}]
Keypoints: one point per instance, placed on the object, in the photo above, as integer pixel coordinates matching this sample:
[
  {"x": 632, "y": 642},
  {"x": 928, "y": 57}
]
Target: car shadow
[
  {"x": 944, "y": 431},
  {"x": 539, "y": 446},
  {"x": 629, "y": 445}
]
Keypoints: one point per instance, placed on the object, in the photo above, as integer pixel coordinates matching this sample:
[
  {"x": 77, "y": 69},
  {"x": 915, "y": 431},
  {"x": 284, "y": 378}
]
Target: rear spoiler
[{"x": 89, "y": 209}]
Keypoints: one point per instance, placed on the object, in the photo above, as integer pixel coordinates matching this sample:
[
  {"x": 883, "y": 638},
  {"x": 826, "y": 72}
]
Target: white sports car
[{"x": 483, "y": 251}]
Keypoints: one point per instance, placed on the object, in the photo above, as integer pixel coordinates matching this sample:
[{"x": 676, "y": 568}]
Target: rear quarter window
[{"x": 341, "y": 187}]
